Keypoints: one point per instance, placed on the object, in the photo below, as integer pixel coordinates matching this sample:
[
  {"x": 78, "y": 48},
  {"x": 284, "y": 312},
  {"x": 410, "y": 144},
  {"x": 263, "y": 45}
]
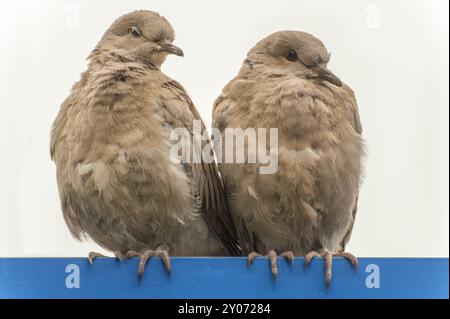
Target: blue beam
[{"x": 222, "y": 278}]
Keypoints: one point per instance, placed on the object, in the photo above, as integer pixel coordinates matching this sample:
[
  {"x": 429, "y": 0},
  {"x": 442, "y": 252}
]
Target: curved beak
[
  {"x": 327, "y": 75},
  {"x": 168, "y": 47}
]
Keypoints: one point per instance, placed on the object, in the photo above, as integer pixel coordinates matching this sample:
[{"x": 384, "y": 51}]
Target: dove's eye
[
  {"x": 135, "y": 32},
  {"x": 291, "y": 55}
]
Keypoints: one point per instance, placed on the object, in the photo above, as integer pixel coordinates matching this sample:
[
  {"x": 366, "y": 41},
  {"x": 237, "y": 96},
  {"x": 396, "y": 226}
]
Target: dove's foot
[
  {"x": 119, "y": 255},
  {"x": 328, "y": 256},
  {"x": 288, "y": 255},
  {"x": 145, "y": 256}
]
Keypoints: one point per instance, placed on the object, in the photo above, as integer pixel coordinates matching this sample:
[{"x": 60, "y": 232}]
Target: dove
[
  {"x": 118, "y": 182},
  {"x": 307, "y": 205}
]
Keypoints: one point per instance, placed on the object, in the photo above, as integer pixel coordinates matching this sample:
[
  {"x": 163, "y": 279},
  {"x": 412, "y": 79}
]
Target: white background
[{"x": 394, "y": 54}]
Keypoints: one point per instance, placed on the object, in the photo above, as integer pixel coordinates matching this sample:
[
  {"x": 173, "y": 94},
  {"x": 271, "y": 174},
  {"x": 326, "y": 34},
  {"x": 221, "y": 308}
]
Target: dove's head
[
  {"x": 141, "y": 35},
  {"x": 294, "y": 52}
]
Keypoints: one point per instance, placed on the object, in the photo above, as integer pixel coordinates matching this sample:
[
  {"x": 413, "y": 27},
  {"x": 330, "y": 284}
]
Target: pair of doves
[{"x": 119, "y": 186}]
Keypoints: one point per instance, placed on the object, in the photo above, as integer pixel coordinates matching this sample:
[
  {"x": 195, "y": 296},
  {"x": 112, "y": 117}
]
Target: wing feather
[
  {"x": 358, "y": 128},
  {"x": 214, "y": 207}
]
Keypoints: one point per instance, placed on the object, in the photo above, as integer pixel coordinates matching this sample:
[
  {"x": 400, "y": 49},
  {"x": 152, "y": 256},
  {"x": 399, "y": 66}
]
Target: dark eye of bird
[
  {"x": 291, "y": 55},
  {"x": 135, "y": 32}
]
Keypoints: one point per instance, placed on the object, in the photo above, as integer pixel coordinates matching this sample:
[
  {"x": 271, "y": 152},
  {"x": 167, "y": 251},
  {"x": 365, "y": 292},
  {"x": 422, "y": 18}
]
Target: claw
[
  {"x": 119, "y": 255},
  {"x": 164, "y": 255},
  {"x": 251, "y": 257},
  {"x": 273, "y": 258},
  {"x": 309, "y": 257},
  {"x": 328, "y": 268},
  {"x": 273, "y": 264},
  {"x": 328, "y": 261},
  {"x": 131, "y": 253},
  {"x": 289, "y": 256},
  {"x": 351, "y": 258},
  {"x": 146, "y": 256},
  {"x": 93, "y": 255}
]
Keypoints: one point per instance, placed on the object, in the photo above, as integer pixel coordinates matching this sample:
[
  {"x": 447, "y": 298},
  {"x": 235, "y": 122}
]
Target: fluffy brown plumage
[
  {"x": 309, "y": 203},
  {"x": 110, "y": 142}
]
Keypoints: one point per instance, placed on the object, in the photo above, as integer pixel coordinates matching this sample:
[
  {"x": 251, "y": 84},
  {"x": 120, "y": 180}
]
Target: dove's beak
[
  {"x": 327, "y": 75},
  {"x": 168, "y": 47}
]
